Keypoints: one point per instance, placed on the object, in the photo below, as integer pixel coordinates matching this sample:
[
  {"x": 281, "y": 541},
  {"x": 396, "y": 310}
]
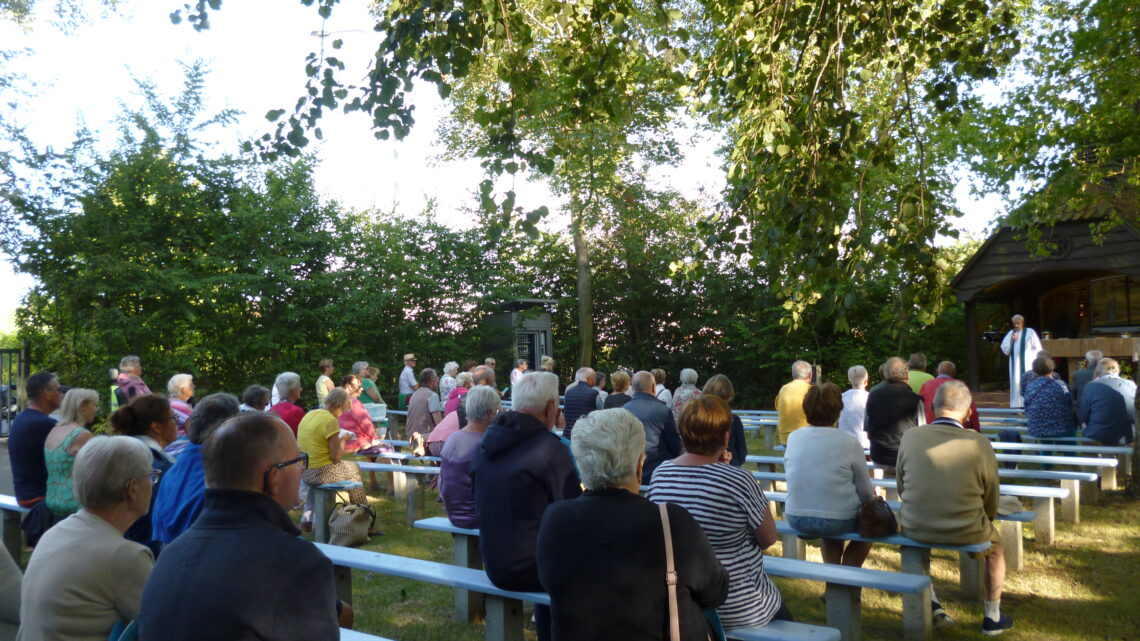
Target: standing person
[
  {"x": 150, "y": 420},
  {"x": 891, "y": 411},
  {"x": 916, "y": 372},
  {"x": 601, "y": 556},
  {"x": 319, "y": 436},
  {"x": 827, "y": 478},
  {"x": 620, "y": 395},
  {"x": 79, "y": 408},
  {"x": 854, "y": 413},
  {"x": 424, "y": 409},
  {"x": 455, "y": 486},
  {"x": 130, "y": 380},
  {"x": 449, "y": 380},
  {"x": 687, "y": 391},
  {"x": 790, "y": 401},
  {"x": 547, "y": 364},
  {"x": 324, "y": 382},
  {"x": 26, "y": 438},
  {"x": 948, "y": 482},
  {"x": 1021, "y": 345},
  {"x": 946, "y": 372},
  {"x": 84, "y": 576},
  {"x": 662, "y": 442},
  {"x": 518, "y": 371},
  {"x": 581, "y": 399},
  {"x": 242, "y": 571},
  {"x": 1085, "y": 375},
  {"x": 288, "y": 386},
  {"x": 730, "y": 507},
  {"x": 407, "y": 382},
  {"x": 519, "y": 468},
  {"x": 663, "y": 394},
  {"x": 600, "y": 385},
  {"x": 720, "y": 385},
  {"x": 255, "y": 398},
  {"x": 178, "y": 499},
  {"x": 180, "y": 389}
]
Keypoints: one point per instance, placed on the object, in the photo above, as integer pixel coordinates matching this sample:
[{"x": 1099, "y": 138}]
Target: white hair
[
  {"x": 1017, "y": 317},
  {"x": 72, "y": 401},
  {"x": 1092, "y": 356},
  {"x": 584, "y": 374},
  {"x": 286, "y": 382},
  {"x": 177, "y": 383},
  {"x": 450, "y": 368},
  {"x": 606, "y": 446},
  {"x": 1107, "y": 367},
  {"x": 644, "y": 382},
  {"x": 464, "y": 379},
  {"x": 480, "y": 400},
  {"x": 801, "y": 369},
  {"x": 688, "y": 376},
  {"x": 130, "y": 362},
  {"x": 533, "y": 392},
  {"x": 359, "y": 366},
  {"x": 103, "y": 468},
  {"x": 489, "y": 360},
  {"x": 857, "y": 374}
]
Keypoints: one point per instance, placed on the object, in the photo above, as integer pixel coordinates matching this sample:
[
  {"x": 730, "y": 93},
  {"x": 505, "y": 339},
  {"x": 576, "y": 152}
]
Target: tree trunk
[{"x": 585, "y": 296}]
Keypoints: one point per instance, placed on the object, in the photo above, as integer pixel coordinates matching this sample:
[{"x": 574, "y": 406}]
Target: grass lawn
[{"x": 1083, "y": 588}]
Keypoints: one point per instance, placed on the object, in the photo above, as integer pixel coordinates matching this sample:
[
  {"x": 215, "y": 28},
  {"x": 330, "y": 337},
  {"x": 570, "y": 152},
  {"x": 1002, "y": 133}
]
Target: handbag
[
  {"x": 716, "y": 630},
  {"x": 349, "y": 525},
  {"x": 875, "y": 518}
]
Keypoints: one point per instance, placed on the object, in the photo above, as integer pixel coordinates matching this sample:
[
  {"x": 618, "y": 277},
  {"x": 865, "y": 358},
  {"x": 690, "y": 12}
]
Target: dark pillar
[{"x": 972, "y": 344}]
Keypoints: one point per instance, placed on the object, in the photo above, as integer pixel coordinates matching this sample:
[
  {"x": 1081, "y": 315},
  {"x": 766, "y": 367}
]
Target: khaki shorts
[{"x": 995, "y": 542}]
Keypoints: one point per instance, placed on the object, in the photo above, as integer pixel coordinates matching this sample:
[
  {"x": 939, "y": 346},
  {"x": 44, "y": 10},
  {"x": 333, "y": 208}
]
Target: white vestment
[{"x": 1021, "y": 357}]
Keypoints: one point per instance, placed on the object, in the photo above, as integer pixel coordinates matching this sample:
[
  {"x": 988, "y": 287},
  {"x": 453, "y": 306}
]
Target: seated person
[
  {"x": 255, "y": 398},
  {"x": 455, "y": 475},
  {"x": 83, "y": 576},
  {"x": 602, "y": 556},
  {"x": 242, "y": 571},
  {"x": 319, "y": 435},
  {"x": 948, "y": 481},
  {"x": 288, "y": 386},
  {"x": 356, "y": 419}
]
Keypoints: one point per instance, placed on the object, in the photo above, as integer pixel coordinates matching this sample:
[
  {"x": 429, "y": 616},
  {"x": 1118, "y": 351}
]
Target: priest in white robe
[{"x": 1021, "y": 345}]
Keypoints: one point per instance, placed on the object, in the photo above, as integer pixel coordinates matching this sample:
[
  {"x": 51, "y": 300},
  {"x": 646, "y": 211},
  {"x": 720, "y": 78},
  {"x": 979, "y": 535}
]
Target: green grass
[{"x": 1083, "y": 588}]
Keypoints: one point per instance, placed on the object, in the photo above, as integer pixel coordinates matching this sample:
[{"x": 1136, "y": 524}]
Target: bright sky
[{"x": 256, "y": 51}]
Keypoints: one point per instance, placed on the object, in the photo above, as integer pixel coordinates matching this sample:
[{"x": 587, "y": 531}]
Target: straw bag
[{"x": 349, "y": 525}]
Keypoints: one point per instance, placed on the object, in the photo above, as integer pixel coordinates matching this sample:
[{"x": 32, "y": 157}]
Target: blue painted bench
[
  {"x": 353, "y": 635},
  {"x": 407, "y": 485},
  {"x": 842, "y": 591},
  {"x": 13, "y": 535}
]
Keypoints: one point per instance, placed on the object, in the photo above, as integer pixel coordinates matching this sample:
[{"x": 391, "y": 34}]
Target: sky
[{"x": 255, "y": 50}]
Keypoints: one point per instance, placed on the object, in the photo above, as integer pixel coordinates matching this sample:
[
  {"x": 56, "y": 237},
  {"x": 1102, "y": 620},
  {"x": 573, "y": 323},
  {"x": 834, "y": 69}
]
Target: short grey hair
[
  {"x": 952, "y": 395},
  {"x": 489, "y": 360},
  {"x": 897, "y": 369},
  {"x": 178, "y": 382},
  {"x": 801, "y": 369},
  {"x": 1092, "y": 356},
  {"x": 1017, "y": 317},
  {"x": 450, "y": 368},
  {"x": 534, "y": 391},
  {"x": 103, "y": 468},
  {"x": 643, "y": 381},
  {"x": 480, "y": 400},
  {"x": 584, "y": 374},
  {"x": 286, "y": 382},
  {"x": 857, "y": 374},
  {"x": 607, "y": 445},
  {"x": 208, "y": 414},
  {"x": 688, "y": 376},
  {"x": 464, "y": 379},
  {"x": 1107, "y": 366},
  {"x": 359, "y": 366},
  {"x": 72, "y": 401},
  {"x": 130, "y": 361}
]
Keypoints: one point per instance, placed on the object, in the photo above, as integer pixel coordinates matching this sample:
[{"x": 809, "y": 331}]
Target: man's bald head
[
  {"x": 946, "y": 368},
  {"x": 644, "y": 382},
  {"x": 236, "y": 455},
  {"x": 483, "y": 375}
]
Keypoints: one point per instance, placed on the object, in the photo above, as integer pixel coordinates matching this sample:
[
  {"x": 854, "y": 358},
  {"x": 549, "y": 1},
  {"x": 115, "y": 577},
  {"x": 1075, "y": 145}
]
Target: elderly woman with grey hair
[
  {"x": 449, "y": 381},
  {"x": 180, "y": 389},
  {"x": 686, "y": 392},
  {"x": 602, "y": 556},
  {"x": 129, "y": 379},
  {"x": 84, "y": 577},
  {"x": 288, "y": 386},
  {"x": 482, "y": 404}
]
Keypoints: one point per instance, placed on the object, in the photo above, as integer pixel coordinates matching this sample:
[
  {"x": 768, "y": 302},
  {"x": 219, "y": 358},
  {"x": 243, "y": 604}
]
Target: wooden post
[
  {"x": 1012, "y": 541},
  {"x": 342, "y": 576},
  {"x": 972, "y": 345},
  {"x": 971, "y": 571},
  {"x": 504, "y": 620},
  {"x": 917, "y": 623},
  {"x": 1071, "y": 505}
]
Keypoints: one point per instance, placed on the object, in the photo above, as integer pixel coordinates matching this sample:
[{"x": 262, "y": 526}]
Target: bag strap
[{"x": 670, "y": 577}]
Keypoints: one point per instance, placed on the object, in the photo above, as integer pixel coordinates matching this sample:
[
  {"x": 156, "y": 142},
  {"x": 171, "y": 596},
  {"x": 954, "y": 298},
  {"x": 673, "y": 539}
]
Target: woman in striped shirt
[{"x": 730, "y": 507}]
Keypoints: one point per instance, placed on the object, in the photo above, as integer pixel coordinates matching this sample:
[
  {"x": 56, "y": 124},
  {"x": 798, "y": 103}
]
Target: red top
[
  {"x": 927, "y": 394},
  {"x": 291, "y": 413}
]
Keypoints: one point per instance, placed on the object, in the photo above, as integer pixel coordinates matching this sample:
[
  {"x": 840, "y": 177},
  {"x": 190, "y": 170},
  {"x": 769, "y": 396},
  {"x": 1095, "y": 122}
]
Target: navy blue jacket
[
  {"x": 241, "y": 572},
  {"x": 662, "y": 441},
  {"x": 26, "y": 453},
  {"x": 1105, "y": 414},
  {"x": 581, "y": 399},
  {"x": 519, "y": 468}
]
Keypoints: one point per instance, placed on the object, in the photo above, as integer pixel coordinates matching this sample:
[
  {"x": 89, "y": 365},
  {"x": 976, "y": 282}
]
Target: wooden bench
[
  {"x": 13, "y": 535},
  {"x": 407, "y": 485},
  {"x": 842, "y": 592}
]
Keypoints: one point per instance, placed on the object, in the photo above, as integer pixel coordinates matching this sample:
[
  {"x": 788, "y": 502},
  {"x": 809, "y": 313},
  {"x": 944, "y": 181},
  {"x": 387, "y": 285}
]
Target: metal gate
[{"x": 14, "y": 369}]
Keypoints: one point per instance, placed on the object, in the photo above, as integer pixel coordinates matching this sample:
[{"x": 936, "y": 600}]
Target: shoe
[
  {"x": 939, "y": 617},
  {"x": 993, "y": 628}
]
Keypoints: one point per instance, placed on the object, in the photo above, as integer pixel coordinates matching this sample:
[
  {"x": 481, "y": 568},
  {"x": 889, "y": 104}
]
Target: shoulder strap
[{"x": 670, "y": 577}]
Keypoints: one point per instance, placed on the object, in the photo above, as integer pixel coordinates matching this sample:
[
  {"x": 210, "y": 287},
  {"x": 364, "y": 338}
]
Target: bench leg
[
  {"x": 414, "y": 489},
  {"x": 342, "y": 576},
  {"x": 504, "y": 620},
  {"x": 400, "y": 485},
  {"x": 844, "y": 611},
  {"x": 1071, "y": 505},
  {"x": 1012, "y": 541},
  {"x": 917, "y": 624},
  {"x": 769, "y": 437},
  {"x": 468, "y": 604},
  {"x": 794, "y": 547},
  {"x": 1043, "y": 527},
  {"x": 971, "y": 573},
  {"x": 1108, "y": 478},
  {"x": 321, "y": 499},
  {"x": 12, "y": 534}
]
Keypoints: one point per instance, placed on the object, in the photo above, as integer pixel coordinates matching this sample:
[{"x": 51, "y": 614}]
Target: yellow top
[
  {"x": 313, "y": 436},
  {"x": 916, "y": 378},
  {"x": 790, "y": 407}
]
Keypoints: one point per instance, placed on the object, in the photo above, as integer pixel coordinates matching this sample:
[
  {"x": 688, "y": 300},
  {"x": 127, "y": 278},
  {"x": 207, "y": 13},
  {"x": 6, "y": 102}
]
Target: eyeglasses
[
  {"x": 303, "y": 459},
  {"x": 155, "y": 476}
]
